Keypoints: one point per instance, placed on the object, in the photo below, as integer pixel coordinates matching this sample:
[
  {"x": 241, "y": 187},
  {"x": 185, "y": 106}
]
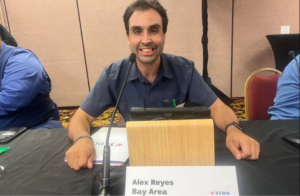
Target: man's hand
[
  {"x": 241, "y": 145},
  {"x": 81, "y": 154}
]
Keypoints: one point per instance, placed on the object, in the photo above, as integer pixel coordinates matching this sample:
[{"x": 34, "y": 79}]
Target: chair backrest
[{"x": 260, "y": 92}]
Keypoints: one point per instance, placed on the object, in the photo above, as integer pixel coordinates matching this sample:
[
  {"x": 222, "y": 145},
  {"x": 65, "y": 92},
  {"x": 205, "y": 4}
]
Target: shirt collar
[
  {"x": 164, "y": 70},
  {"x": 134, "y": 73}
]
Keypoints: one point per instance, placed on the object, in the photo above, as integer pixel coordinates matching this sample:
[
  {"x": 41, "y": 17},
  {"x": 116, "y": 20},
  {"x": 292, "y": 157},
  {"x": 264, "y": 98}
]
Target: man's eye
[
  {"x": 154, "y": 31},
  {"x": 136, "y": 31}
]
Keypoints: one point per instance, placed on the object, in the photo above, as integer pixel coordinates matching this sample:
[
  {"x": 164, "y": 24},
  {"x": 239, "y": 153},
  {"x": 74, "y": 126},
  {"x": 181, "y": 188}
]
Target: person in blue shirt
[
  {"x": 155, "y": 79},
  {"x": 287, "y": 100},
  {"x": 24, "y": 91}
]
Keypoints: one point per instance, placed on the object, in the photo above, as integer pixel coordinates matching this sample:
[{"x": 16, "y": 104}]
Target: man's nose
[{"x": 146, "y": 38}]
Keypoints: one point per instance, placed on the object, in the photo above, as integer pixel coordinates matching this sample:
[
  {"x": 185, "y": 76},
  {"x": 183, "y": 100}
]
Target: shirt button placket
[{"x": 152, "y": 99}]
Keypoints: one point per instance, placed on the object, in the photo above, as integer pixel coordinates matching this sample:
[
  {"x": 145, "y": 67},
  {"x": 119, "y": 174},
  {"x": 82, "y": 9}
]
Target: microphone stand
[{"x": 105, "y": 178}]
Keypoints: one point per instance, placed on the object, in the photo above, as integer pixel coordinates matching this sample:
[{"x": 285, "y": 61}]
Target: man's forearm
[
  {"x": 224, "y": 119},
  {"x": 239, "y": 144},
  {"x": 222, "y": 115},
  {"x": 79, "y": 125},
  {"x": 78, "y": 128}
]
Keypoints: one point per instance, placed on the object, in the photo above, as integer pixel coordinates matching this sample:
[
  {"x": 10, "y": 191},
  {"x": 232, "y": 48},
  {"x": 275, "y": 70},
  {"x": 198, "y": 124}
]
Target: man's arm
[
  {"x": 286, "y": 102},
  {"x": 21, "y": 82},
  {"x": 240, "y": 145},
  {"x": 82, "y": 153}
]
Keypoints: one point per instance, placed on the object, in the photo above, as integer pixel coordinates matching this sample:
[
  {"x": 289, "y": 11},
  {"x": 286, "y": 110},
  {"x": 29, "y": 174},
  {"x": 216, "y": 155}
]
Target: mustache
[{"x": 150, "y": 45}]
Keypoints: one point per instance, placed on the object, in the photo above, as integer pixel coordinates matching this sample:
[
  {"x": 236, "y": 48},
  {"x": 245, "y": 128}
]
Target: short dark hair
[{"x": 143, "y": 5}]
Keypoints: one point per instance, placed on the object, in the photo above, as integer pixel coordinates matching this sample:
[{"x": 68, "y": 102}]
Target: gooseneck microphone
[
  {"x": 105, "y": 179},
  {"x": 292, "y": 54}
]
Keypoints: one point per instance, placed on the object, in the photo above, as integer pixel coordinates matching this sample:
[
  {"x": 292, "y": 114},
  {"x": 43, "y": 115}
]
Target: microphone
[
  {"x": 292, "y": 54},
  {"x": 105, "y": 179}
]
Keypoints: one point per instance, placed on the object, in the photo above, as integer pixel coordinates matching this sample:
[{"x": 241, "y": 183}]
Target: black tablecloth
[{"x": 35, "y": 163}]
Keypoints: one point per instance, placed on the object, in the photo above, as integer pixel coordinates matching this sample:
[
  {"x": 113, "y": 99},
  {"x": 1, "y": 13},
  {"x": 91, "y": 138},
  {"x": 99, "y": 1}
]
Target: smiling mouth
[{"x": 147, "y": 49}]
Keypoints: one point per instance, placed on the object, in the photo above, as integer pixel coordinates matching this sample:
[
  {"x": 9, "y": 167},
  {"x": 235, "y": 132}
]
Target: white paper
[
  {"x": 285, "y": 30},
  {"x": 8, "y": 133},
  {"x": 118, "y": 145},
  {"x": 176, "y": 181},
  {"x": 180, "y": 105}
]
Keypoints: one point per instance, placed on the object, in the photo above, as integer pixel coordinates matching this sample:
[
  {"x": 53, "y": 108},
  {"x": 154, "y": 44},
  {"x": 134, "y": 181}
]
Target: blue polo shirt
[{"x": 177, "y": 79}]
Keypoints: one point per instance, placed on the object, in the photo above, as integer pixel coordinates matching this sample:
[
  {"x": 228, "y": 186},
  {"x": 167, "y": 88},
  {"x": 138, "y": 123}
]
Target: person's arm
[
  {"x": 286, "y": 102},
  {"x": 240, "y": 145},
  {"x": 82, "y": 153},
  {"x": 21, "y": 81}
]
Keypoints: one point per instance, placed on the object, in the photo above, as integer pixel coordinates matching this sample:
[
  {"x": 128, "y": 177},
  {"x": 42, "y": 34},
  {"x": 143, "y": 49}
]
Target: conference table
[{"x": 35, "y": 163}]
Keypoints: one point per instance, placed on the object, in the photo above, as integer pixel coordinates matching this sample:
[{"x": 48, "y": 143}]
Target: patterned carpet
[
  {"x": 103, "y": 120},
  {"x": 237, "y": 106}
]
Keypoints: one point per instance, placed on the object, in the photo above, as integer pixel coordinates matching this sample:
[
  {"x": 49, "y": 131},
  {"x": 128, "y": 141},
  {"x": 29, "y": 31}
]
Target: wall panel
[
  {"x": 3, "y": 19},
  {"x": 185, "y": 34},
  {"x": 50, "y": 28},
  {"x": 253, "y": 20},
  {"x": 103, "y": 34}
]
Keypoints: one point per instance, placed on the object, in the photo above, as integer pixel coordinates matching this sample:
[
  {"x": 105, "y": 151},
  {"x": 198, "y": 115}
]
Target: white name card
[{"x": 177, "y": 181}]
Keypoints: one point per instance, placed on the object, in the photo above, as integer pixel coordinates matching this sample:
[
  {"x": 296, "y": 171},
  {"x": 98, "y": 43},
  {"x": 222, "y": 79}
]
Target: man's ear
[
  {"x": 127, "y": 37},
  {"x": 165, "y": 34}
]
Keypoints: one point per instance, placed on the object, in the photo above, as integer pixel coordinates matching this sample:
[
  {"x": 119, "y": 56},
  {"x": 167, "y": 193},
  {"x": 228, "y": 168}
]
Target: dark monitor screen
[{"x": 145, "y": 114}]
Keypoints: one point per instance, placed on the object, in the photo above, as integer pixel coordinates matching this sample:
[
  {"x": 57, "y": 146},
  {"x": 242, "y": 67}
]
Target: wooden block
[{"x": 171, "y": 143}]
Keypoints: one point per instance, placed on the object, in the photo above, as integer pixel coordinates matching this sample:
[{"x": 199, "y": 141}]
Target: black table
[{"x": 34, "y": 165}]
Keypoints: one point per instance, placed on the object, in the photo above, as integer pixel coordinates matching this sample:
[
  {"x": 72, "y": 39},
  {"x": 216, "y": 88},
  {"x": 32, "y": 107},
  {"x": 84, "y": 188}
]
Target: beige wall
[
  {"x": 3, "y": 14},
  {"x": 51, "y": 29},
  {"x": 103, "y": 34},
  {"x": 253, "y": 20},
  {"x": 185, "y": 34}
]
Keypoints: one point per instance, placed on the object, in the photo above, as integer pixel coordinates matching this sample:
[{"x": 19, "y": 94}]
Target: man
[
  {"x": 287, "y": 98},
  {"x": 24, "y": 91},
  {"x": 155, "y": 79}
]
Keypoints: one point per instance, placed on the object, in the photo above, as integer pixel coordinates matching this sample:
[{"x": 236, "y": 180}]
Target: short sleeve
[
  {"x": 199, "y": 92},
  {"x": 99, "y": 99}
]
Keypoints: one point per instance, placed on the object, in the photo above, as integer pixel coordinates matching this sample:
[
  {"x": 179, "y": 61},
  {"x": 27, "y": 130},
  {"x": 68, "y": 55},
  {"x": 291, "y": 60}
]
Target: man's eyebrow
[
  {"x": 136, "y": 27},
  {"x": 151, "y": 27},
  {"x": 155, "y": 26}
]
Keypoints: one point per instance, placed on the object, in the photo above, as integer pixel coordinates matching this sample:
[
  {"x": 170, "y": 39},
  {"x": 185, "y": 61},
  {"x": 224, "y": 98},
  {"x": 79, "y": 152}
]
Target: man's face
[{"x": 146, "y": 38}]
